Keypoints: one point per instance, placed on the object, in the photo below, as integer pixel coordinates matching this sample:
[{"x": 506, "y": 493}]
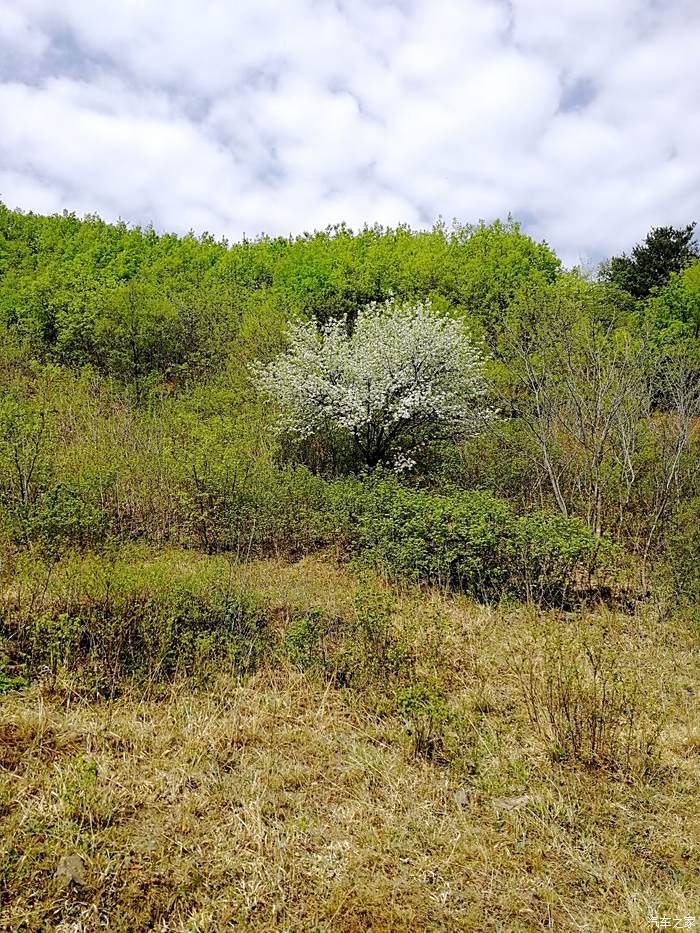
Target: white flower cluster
[{"x": 403, "y": 370}]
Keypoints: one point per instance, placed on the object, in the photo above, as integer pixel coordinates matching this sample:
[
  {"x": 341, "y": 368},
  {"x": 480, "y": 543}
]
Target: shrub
[
  {"x": 61, "y": 515},
  {"x": 586, "y": 704},
  {"x": 472, "y": 541},
  {"x": 232, "y": 497},
  {"x": 549, "y": 555},
  {"x": 681, "y": 567},
  {"x": 427, "y": 719},
  {"x": 145, "y": 623},
  {"x": 286, "y": 511}
]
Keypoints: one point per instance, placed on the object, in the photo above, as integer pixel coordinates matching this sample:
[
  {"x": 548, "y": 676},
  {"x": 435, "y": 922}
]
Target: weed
[
  {"x": 426, "y": 716},
  {"x": 586, "y": 704}
]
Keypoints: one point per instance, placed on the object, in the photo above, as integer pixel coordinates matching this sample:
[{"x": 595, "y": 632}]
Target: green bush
[
  {"x": 286, "y": 511},
  {"x": 472, "y": 542},
  {"x": 681, "y": 565},
  {"x": 551, "y": 556},
  {"x": 427, "y": 719},
  {"x": 254, "y": 508},
  {"x": 61, "y": 515}
]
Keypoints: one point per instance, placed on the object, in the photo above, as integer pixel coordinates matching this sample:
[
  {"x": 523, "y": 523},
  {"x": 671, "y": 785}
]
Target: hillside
[{"x": 347, "y": 581}]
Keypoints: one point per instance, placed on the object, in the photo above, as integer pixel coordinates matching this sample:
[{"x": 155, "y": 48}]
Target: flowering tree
[{"x": 404, "y": 376}]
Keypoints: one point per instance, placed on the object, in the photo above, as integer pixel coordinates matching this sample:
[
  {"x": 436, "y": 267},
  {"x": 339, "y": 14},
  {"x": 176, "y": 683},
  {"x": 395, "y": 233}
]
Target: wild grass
[{"x": 425, "y": 788}]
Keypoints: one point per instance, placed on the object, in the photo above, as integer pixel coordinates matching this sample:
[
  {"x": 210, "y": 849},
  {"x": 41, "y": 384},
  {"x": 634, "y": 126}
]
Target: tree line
[{"x": 156, "y": 386}]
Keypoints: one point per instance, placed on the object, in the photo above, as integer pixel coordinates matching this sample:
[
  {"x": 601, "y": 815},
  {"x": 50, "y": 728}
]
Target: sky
[{"x": 581, "y": 118}]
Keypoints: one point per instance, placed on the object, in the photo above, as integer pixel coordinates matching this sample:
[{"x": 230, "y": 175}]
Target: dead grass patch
[{"x": 283, "y": 801}]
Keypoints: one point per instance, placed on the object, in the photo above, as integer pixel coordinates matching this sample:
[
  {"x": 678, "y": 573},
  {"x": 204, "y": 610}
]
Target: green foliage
[
  {"x": 427, "y": 718},
  {"x": 119, "y": 621},
  {"x": 25, "y": 429},
  {"x": 63, "y": 514},
  {"x": 502, "y": 460},
  {"x": 449, "y": 540},
  {"x": 349, "y": 651},
  {"x": 674, "y": 312},
  {"x": 681, "y": 567},
  {"x": 82, "y": 463},
  {"x": 147, "y": 308},
  {"x": 473, "y": 542},
  {"x": 252, "y": 508},
  {"x": 38, "y": 503},
  {"x": 127, "y": 411},
  {"x": 592, "y": 394},
  {"x": 138, "y": 337},
  {"x": 9, "y": 682},
  {"x": 554, "y": 555},
  {"x": 304, "y": 640},
  {"x": 490, "y": 264},
  {"x": 665, "y": 250}
]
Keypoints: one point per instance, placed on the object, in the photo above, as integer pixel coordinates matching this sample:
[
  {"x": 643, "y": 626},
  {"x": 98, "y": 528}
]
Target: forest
[{"x": 349, "y": 580}]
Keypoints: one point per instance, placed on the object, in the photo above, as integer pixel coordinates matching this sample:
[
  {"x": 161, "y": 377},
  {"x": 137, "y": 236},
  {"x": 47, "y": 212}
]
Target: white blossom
[{"x": 404, "y": 375}]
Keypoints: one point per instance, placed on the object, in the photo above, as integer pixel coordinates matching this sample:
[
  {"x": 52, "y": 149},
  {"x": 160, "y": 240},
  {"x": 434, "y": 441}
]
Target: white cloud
[
  {"x": 17, "y": 32},
  {"x": 277, "y": 116}
]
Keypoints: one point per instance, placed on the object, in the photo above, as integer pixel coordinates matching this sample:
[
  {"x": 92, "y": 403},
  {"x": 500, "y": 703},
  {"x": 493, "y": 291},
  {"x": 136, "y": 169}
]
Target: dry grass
[{"x": 284, "y": 802}]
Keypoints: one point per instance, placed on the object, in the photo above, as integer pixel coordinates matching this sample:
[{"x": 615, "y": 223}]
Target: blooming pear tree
[{"x": 404, "y": 376}]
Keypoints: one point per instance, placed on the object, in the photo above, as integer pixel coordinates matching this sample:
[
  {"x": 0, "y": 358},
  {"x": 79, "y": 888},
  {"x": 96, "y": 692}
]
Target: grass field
[{"x": 395, "y": 760}]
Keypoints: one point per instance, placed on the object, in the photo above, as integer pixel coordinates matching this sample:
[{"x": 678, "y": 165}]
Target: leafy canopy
[
  {"x": 665, "y": 250},
  {"x": 674, "y": 311}
]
